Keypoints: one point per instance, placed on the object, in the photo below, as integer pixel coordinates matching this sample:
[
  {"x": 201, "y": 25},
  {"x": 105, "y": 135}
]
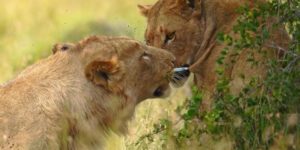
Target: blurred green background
[{"x": 29, "y": 28}]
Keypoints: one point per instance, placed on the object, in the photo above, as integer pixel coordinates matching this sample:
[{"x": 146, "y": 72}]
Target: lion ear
[
  {"x": 99, "y": 71},
  {"x": 62, "y": 47},
  {"x": 144, "y": 9}
]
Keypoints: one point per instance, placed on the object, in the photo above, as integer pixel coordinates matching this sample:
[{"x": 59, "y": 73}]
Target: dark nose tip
[
  {"x": 185, "y": 65},
  {"x": 182, "y": 71}
]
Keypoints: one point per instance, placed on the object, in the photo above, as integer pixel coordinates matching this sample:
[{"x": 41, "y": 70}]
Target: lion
[
  {"x": 189, "y": 29},
  {"x": 72, "y": 98}
]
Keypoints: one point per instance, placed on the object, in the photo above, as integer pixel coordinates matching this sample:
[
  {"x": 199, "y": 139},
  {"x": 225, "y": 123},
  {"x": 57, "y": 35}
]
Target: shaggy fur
[
  {"x": 69, "y": 100},
  {"x": 188, "y": 29}
]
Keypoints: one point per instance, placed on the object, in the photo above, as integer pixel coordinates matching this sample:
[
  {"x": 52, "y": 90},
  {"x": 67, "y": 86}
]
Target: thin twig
[{"x": 291, "y": 64}]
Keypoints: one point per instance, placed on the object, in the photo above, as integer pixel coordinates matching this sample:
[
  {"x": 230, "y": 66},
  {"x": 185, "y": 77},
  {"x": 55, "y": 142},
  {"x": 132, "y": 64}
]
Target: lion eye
[
  {"x": 169, "y": 37},
  {"x": 191, "y": 3}
]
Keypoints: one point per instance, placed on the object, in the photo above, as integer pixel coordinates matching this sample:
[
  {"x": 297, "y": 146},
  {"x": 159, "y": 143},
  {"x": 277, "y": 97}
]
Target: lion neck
[{"x": 213, "y": 21}]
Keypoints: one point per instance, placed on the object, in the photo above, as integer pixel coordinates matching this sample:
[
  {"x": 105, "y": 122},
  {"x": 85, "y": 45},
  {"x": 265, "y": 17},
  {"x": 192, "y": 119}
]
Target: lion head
[
  {"x": 173, "y": 25},
  {"x": 187, "y": 28},
  {"x": 124, "y": 66}
]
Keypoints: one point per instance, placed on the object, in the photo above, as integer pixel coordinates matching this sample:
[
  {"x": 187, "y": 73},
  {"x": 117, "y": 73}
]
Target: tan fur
[
  {"x": 196, "y": 27},
  {"x": 70, "y": 99}
]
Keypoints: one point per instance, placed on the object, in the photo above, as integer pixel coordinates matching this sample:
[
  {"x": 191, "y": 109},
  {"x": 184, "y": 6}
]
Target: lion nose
[{"x": 182, "y": 71}]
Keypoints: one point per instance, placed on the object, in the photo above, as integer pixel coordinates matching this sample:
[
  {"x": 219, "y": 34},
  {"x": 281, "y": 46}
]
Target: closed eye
[
  {"x": 146, "y": 60},
  {"x": 146, "y": 57}
]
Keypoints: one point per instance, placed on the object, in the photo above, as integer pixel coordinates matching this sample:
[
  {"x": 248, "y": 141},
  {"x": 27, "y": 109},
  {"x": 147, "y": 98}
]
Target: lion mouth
[{"x": 180, "y": 75}]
